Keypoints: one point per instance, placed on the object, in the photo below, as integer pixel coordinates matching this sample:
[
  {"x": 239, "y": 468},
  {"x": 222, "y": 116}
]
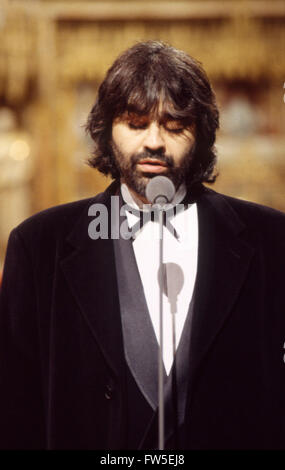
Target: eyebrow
[
  {"x": 140, "y": 114},
  {"x": 131, "y": 109},
  {"x": 169, "y": 117}
]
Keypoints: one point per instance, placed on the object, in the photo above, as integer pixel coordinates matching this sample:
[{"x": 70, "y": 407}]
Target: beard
[{"x": 137, "y": 180}]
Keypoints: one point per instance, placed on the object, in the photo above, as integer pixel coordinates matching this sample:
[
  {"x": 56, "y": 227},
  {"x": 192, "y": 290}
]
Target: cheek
[
  {"x": 123, "y": 139},
  {"x": 187, "y": 145},
  {"x": 119, "y": 133},
  {"x": 180, "y": 150},
  {"x": 116, "y": 137}
]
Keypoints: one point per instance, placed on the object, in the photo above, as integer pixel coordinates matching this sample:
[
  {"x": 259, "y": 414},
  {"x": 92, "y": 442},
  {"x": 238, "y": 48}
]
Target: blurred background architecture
[{"x": 54, "y": 53}]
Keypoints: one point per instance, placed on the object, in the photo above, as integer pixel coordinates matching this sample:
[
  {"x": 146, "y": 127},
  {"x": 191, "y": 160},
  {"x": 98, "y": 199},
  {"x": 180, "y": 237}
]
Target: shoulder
[
  {"x": 56, "y": 222},
  {"x": 246, "y": 207},
  {"x": 54, "y": 219},
  {"x": 253, "y": 207},
  {"x": 255, "y": 213},
  {"x": 257, "y": 217}
]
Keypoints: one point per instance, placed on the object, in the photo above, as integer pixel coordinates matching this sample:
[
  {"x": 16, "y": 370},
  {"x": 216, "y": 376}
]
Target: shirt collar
[{"x": 179, "y": 222}]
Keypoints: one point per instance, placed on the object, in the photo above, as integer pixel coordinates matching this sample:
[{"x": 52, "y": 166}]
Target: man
[{"x": 79, "y": 328}]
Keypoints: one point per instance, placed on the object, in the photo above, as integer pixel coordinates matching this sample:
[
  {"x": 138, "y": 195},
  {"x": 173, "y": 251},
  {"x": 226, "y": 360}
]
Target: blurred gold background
[{"x": 53, "y": 55}]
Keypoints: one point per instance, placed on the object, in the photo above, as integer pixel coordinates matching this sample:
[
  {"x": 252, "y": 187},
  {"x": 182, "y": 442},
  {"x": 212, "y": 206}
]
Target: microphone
[{"x": 160, "y": 190}]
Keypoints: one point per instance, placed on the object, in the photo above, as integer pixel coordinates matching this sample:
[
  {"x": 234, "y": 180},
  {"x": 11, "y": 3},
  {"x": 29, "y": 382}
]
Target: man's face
[{"x": 146, "y": 146}]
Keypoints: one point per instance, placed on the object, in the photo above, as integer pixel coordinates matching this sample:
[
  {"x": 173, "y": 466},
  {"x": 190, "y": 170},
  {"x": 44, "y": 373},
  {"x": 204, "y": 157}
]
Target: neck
[{"x": 140, "y": 200}]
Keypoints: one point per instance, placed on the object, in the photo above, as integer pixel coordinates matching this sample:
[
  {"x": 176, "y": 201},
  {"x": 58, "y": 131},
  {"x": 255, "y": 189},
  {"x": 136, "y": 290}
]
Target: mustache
[{"x": 167, "y": 159}]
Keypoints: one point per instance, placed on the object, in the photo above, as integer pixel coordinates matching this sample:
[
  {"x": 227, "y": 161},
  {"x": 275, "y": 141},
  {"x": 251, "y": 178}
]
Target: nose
[{"x": 154, "y": 141}]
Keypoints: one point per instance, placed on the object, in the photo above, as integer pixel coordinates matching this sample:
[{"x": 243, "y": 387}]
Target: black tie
[
  {"x": 152, "y": 215},
  {"x": 191, "y": 197}
]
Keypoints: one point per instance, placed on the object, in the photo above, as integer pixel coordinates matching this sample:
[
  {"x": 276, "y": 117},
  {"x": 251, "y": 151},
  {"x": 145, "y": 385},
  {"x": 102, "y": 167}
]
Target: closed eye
[
  {"x": 174, "y": 130},
  {"x": 174, "y": 126},
  {"x": 178, "y": 130},
  {"x": 137, "y": 126}
]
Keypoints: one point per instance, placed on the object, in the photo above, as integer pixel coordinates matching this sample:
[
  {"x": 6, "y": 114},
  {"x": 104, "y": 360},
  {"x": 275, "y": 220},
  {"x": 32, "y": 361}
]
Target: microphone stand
[
  {"x": 160, "y": 349},
  {"x": 160, "y": 190}
]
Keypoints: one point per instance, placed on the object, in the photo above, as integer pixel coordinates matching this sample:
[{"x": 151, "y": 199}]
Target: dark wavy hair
[{"x": 139, "y": 79}]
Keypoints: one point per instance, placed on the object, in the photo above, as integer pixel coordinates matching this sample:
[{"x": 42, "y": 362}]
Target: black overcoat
[{"x": 63, "y": 371}]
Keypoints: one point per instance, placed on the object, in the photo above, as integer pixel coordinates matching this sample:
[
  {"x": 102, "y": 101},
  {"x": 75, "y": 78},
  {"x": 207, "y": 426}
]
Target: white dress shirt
[{"x": 180, "y": 261}]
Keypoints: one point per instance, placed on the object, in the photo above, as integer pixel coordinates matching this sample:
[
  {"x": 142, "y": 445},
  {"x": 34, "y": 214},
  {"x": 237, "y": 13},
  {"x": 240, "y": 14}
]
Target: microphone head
[{"x": 160, "y": 190}]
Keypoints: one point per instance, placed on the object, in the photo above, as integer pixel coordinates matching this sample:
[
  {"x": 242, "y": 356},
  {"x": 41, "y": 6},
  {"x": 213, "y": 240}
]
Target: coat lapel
[
  {"x": 91, "y": 276},
  {"x": 140, "y": 344},
  {"x": 224, "y": 257}
]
